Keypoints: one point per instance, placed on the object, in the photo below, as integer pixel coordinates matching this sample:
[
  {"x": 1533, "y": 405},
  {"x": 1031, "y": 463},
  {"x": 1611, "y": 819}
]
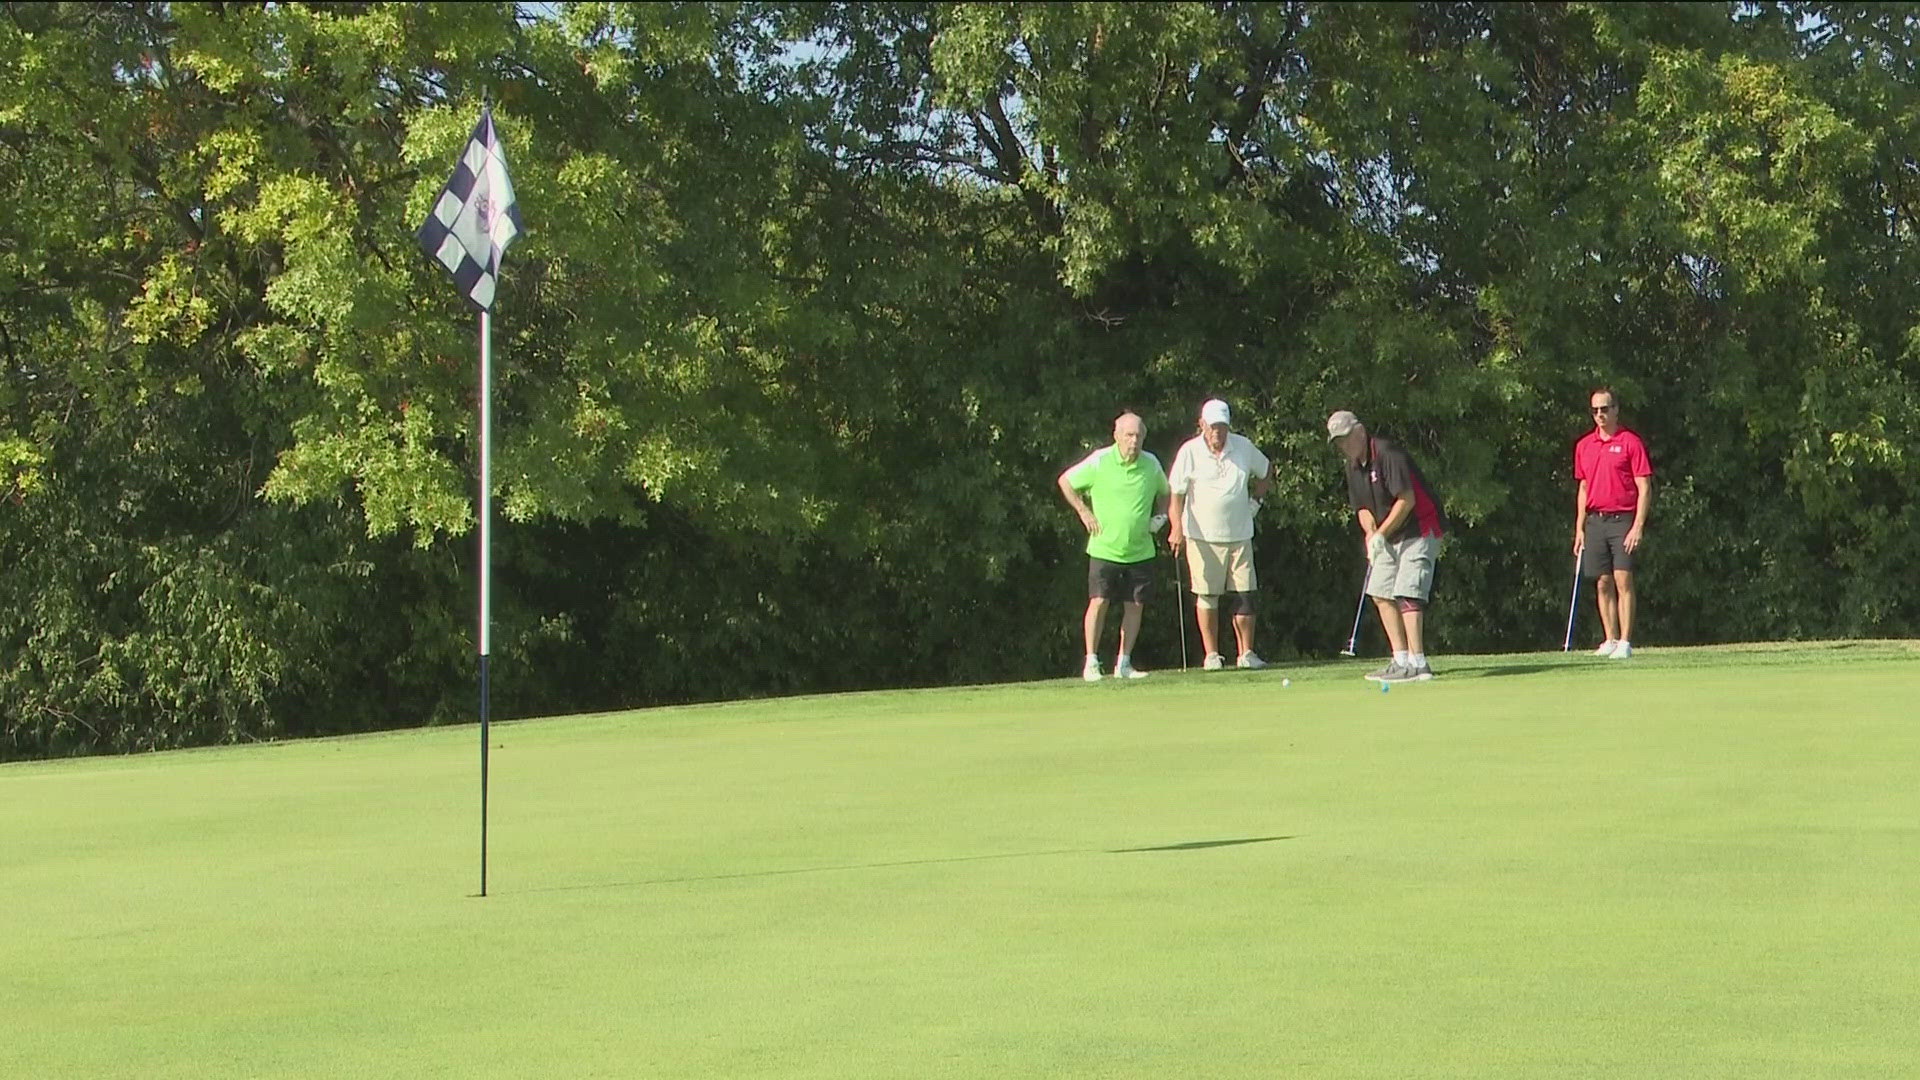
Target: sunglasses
[{"x": 1601, "y": 408}]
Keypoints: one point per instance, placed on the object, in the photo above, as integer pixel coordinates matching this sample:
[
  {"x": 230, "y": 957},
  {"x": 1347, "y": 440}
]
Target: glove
[
  {"x": 1377, "y": 544},
  {"x": 1157, "y": 522}
]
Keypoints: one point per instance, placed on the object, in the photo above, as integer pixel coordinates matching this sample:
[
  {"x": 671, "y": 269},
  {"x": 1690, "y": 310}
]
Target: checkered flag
[{"x": 475, "y": 218}]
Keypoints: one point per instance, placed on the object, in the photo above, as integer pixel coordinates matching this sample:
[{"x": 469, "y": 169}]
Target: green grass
[{"x": 1699, "y": 863}]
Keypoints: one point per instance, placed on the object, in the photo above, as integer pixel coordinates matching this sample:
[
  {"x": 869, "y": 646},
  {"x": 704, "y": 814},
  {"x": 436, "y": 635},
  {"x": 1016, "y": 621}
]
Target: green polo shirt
[{"x": 1121, "y": 494}]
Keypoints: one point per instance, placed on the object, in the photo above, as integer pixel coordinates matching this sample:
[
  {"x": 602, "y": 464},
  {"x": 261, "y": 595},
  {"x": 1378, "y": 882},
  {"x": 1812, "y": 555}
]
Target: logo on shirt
[{"x": 1616, "y": 449}]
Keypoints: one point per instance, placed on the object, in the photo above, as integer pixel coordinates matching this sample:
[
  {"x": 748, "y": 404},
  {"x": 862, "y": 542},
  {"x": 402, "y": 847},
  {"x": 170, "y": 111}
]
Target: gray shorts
[
  {"x": 1606, "y": 549},
  {"x": 1128, "y": 583},
  {"x": 1404, "y": 570}
]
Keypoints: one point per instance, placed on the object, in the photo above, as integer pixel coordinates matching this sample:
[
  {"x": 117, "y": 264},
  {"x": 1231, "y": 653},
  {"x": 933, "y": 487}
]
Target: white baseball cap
[
  {"x": 1215, "y": 412},
  {"x": 1340, "y": 423}
]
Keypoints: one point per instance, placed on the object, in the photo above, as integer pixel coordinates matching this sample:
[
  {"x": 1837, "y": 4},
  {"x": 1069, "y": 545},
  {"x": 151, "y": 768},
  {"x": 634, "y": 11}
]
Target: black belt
[{"x": 1610, "y": 513}]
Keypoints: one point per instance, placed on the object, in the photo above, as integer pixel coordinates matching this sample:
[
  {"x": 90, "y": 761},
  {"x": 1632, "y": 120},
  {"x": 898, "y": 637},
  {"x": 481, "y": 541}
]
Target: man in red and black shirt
[
  {"x": 1609, "y": 516},
  {"x": 1401, "y": 521}
]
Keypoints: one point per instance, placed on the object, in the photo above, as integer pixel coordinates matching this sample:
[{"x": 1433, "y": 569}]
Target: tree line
[{"x": 816, "y": 300}]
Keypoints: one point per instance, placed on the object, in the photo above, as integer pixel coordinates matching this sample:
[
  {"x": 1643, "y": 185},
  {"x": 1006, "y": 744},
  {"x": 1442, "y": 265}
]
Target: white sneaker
[
  {"x": 1091, "y": 672},
  {"x": 1622, "y": 650},
  {"x": 1213, "y": 662},
  {"x": 1124, "y": 670},
  {"x": 1606, "y": 648},
  {"x": 1251, "y": 661}
]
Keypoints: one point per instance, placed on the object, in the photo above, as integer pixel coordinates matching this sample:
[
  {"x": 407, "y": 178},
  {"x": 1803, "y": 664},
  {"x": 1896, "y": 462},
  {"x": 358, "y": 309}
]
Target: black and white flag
[{"x": 475, "y": 218}]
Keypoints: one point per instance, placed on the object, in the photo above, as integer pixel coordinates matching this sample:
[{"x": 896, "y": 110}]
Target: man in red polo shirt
[{"x": 1609, "y": 516}]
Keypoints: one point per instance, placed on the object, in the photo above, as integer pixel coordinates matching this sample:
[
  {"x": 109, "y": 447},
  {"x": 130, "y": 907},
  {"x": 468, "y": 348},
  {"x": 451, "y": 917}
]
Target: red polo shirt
[{"x": 1609, "y": 466}]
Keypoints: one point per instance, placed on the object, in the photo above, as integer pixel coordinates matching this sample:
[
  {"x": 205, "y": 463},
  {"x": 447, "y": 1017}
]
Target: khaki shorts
[
  {"x": 1220, "y": 568},
  {"x": 1404, "y": 569}
]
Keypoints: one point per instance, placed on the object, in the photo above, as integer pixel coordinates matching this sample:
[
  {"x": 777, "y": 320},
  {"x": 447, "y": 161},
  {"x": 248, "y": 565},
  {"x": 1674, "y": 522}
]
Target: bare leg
[
  {"x": 1096, "y": 614},
  {"x": 1623, "y": 585},
  {"x": 1609, "y": 604},
  {"x": 1390, "y": 622},
  {"x": 1209, "y": 626},
  {"x": 1243, "y": 632},
  {"x": 1416, "y": 631},
  {"x": 1129, "y": 626}
]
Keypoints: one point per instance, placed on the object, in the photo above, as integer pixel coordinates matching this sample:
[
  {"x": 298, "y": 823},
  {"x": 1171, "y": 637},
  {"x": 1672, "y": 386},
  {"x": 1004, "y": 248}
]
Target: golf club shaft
[
  {"x": 1573, "y": 606},
  {"x": 1180, "y": 608},
  {"x": 1353, "y": 639}
]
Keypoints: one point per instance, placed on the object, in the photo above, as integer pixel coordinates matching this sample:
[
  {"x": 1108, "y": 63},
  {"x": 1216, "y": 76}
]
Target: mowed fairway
[{"x": 1698, "y": 863}]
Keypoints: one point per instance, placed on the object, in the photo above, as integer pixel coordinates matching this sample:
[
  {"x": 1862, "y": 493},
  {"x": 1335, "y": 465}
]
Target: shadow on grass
[
  {"x": 1511, "y": 669},
  {"x": 1196, "y": 845},
  {"x": 1191, "y": 845}
]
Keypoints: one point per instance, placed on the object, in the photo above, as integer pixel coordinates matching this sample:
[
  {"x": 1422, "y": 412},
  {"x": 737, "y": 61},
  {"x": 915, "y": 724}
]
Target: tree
[{"x": 817, "y": 299}]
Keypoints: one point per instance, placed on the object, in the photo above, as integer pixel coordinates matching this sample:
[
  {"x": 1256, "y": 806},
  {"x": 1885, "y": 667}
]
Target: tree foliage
[{"x": 816, "y": 299}]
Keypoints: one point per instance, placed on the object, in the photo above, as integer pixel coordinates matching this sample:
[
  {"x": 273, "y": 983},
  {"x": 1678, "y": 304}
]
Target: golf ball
[
  {"x": 1384, "y": 688},
  {"x": 1286, "y": 682}
]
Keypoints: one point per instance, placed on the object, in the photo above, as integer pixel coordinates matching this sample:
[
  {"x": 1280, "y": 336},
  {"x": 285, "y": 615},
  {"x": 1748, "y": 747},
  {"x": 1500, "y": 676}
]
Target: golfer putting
[{"x": 1401, "y": 523}]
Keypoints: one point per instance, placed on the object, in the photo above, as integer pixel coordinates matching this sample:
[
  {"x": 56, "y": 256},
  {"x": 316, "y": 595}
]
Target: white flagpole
[
  {"x": 471, "y": 223},
  {"x": 486, "y": 563}
]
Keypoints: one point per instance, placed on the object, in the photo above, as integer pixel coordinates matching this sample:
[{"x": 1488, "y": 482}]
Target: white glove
[
  {"x": 1377, "y": 544},
  {"x": 1157, "y": 522}
]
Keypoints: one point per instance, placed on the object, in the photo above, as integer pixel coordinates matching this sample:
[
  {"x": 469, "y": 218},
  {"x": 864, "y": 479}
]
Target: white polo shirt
[{"x": 1219, "y": 510}]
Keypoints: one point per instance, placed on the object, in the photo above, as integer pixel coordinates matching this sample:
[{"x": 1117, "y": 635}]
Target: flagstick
[
  {"x": 472, "y": 222},
  {"x": 486, "y": 562}
]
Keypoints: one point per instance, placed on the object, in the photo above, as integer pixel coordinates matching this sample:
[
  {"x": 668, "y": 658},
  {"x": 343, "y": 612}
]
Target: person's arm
[
  {"x": 1643, "y": 481},
  {"x": 1396, "y": 472},
  {"x": 1079, "y": 504},
  {"x": 1367, "y": 530},
  {"x": 1160, "y": 500},
  {"x": 1645, "y": 484},
  {"x": 1580, "y": 520},
  {"x": 1259, "y": 486},
  {"x": 1356, "y": 498},
  {"x": 1178, "y": 480},
  {"x": 1402, "y": 508}
]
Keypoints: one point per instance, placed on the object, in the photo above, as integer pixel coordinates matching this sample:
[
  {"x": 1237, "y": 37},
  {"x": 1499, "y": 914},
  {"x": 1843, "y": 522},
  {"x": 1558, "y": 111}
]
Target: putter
[
  {"x": 1180, "y": 609},
  {"x": 1573, "y": 606},
  {"x": 1354, "y": 638}
]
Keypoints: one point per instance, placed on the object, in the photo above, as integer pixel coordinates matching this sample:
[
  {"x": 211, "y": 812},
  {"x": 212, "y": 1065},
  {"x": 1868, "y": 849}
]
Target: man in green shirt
[{"x": 1128, "y": 492}]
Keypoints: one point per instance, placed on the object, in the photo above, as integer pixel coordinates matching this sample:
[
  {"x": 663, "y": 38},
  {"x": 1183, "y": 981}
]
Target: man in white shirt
[{"x": 1218, "y": 480}]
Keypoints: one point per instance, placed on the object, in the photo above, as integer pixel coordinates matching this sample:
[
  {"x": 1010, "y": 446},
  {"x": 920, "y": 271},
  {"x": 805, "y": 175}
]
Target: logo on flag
[{"x": 474, "y": 219}]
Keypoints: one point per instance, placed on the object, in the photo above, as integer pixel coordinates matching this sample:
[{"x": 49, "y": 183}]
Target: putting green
[{"x": 1695, "y": 863}]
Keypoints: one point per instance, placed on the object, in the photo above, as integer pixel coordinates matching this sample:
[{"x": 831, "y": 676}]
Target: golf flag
[
  {"x": 475, "y": 218},
  {"x": 471, "y": 224}
]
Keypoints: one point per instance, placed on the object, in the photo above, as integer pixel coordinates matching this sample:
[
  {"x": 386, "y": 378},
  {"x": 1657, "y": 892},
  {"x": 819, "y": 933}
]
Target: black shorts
[
  {"x": 1125, "y": 581},
  {"x": 1606, "y": 548}
]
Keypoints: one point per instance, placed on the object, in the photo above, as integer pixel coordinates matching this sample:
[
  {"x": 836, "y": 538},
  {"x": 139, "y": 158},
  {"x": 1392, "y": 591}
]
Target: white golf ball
[{"x": 1286, "y": 682}]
